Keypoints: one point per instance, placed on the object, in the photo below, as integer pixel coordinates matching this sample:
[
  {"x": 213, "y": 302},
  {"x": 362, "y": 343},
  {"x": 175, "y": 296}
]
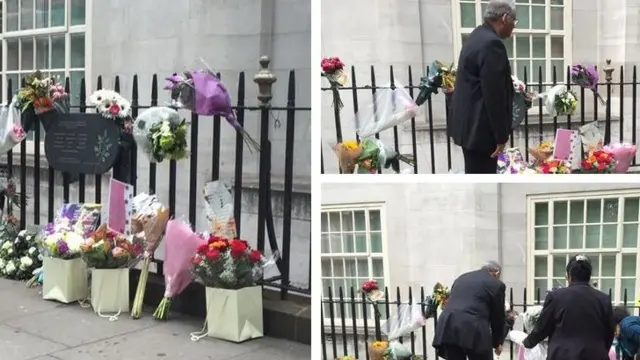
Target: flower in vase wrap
[
  {"x": 19, "y": 256},
  {"x": 598, "y": 162},
  {"x": 168, "y": 140},
  {"x": 227, "y": 263},
  {"x": 333, "y": 70},
  {"x": 63, "y": 244},
  {"x": 106, "y": 249},
  {"x": 565, "y": 103}
]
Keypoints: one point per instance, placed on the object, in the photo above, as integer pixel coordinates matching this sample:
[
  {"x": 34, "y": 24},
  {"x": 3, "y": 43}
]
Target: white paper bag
[
  {"x": 65, "y": 280},
  {"x": 234, "y": 315},
  {"x": 110, "y": 290}
]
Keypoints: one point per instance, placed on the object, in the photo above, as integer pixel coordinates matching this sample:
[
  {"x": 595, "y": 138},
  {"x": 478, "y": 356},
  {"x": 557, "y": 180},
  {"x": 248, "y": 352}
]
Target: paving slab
[{"x": 35, "y": 329}]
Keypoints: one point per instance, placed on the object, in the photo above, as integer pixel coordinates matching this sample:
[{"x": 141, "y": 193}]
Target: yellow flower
[
  {"x": 378, "y": 345},
  {"x": 350, "y": 144}
]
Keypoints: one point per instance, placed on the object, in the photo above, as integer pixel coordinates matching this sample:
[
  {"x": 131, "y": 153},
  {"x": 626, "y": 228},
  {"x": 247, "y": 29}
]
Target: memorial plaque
[{"x": 82, "y": 143}]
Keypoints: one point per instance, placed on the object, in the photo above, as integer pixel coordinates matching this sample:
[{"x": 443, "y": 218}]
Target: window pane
[
  {"x": 592, "y": 240},
  {"x": 334, "y": 222},
  {"x": 12, "y": 15},
  {"x": 628, "y": 285},
  {"x": 347, "y": 217},
  {"x": 376, "y": 242},
  {"x": 12, "y": 54},
  {"x": 75, "y": 80},
  {"x": 508, "y": 44},
  {"x": 522, "y": 12},
  {"x": 538, "y": 46},
  {"x": 42, "y": 14},
  {"x": 351, "y": 284},
  {"x": 539, "y": 69},
  {"x": 374, "y": 220},
  {"x": 77, "y": 50},
  {"x": 77, "y": 12},
  {"x": 557, "y": 47},
  {"x": 521, "y": 67},
  {"x": 361, "y": 243},
  {"x": 629, "y": 265},
  {"x": 324, "y": 244},
  {"x": 13, "y": 79},
  {"x": 336, "y": 243},
  {"x": 559, "y": 266},
  {"x": 42, "y": 52},
  {"x": 540, "y": 266},
  {"x": 610, "y": 210},
  {"x": 557, "y": 18},
  {"x": 338, "y": 268},
  {"x": 608, "y": 286},
  {"x": 560, "y": 234},
  {"x": 609, "y": 236},
  {"x": 362, "y": 266},
  {"x": 468, "y": 15},
  {"x": 26, "y": 62},
  {"x": 326, "y": 267},
  {"x": 324, "y": 222},
  {"x": 57, "y": 12},
  {"x": 630, "y": 235},
  {"x": 557, "y": 2},
  {"x": 576, "y": 237},
  {"x": 631, "y": 209},
  {"x": 523, "y": 46},
  {"x": 350, "y": 268},
  {"x": 26, "y": 14},
  {"x": 377, "y": 268},
  {"x": 348, "y": 243},
  {"x": 561, "y": 70},
  {"x": 539, "y": 289},
  {"x": 595, "y": 265},
  {"x": 57, "y": 52},
  {"x": 593, "y": 211},
  {"x": 541, "y": 238},
  {"x": 538, "y": 20},
  {"x": 608, "y": 265},
  {"x": 542, "y": 214},
  {"x": 577, "y": 211},
  {"x": 560, "y": 209},
  {"x": 359, "y": 220}
]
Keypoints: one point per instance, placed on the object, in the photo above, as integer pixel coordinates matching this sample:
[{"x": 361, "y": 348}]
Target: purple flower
[
  {"x": 62, "y": 246},
  {"x": 49, "y": 229}
]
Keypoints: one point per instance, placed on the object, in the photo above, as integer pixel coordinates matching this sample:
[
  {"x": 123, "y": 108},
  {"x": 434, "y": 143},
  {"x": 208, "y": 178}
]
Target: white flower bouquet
[{"x": 19, "y": 256}]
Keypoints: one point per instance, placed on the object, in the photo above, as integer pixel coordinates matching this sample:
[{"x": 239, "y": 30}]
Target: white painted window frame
[
  {"x": 567, "y": 33},
  {"x": 618, "y": 251},
  {"x": 383, "y": 256},
  {"x": 67, "y": 30}
]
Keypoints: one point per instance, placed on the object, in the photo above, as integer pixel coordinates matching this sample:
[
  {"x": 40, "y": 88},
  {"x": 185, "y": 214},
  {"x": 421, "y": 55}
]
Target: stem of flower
[{"x": 138, "y": 301}]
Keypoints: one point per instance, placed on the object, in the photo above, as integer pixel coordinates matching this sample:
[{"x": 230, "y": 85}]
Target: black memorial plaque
[{"x": 82, "y": 143}]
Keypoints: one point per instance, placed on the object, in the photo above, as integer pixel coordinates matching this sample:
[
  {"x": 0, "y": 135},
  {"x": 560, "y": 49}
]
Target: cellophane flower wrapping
[
  {"x": 42, "y": 93},
  {"x": 375, "y": 156},
  {"x": 511, "y": 161},
  {"x": 106, "y": 249},
  {"x": 553, "y": 166},
  {"x": 531, "y": 316},
  {"x": 333, "y": 70},
  {"x": 586, "y": 77},
  {"x": 623, "y": 153},
  {"x": 407, "y": 319},
  {"x": 63, "y": 237},
  {"x": 438, "y": 76},
  {"x": 19, "y": 254},
  {"x": 161, "y": 133},
  {"x": 11, "y": 131},
  {"x": 598, "y": 162},
  {"x": 348, "y": 153},
  {"x": 591, "y": 137},
  {"x": 542, "y": 152},
  {"x": 560, "y": 101},
  {"x": 391, "y": 107}
]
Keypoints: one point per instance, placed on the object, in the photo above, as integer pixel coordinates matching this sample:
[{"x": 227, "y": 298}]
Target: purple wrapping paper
[{"x": 212, "y": 97}]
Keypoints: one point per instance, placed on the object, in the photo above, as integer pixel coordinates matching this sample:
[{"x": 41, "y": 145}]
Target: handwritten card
[{"x": 567, "y": 147}]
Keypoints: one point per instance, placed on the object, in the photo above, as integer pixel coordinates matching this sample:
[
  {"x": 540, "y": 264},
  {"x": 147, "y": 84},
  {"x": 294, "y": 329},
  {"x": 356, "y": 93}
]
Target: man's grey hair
[
  {"x": 492, "y": 266},
  {"x": 496, "y": 8}
]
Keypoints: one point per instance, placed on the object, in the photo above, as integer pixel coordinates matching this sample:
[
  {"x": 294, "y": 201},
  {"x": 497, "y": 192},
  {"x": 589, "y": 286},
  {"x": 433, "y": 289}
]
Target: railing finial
[
  {"x": 265, "y": 79},
  {"x": 608, "y": 71}
]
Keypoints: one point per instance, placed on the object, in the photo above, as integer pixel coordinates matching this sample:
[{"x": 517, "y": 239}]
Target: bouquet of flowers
[
  {"x": 180, "y": 245},
  {"x": 440, "y": 294},
  {"x": 531, "y": 316},
  {"x": 19, "y": 255},
  {"x": 106, "y": 249},
  {"x": 591, "y": 137},
  {"x": 228, "y": 263},
  {"x": 599, "y": 162},
  {"x": 62, "y": 241},
  {"x": 370, "y": 156},
  {"x": 11, "y": 132},
  {"x": 623, "y": 154},
  {"x": 333, "y": 70},
  {"x": 43, "y": 93},
  {"x": 586, "y": 77},
  {"x": 148, "y": 223},
  {"x": 377, "y": 349},
  {"x": 8, "y": 194},
  {"x": 511, "y": 161},
  {"x": 371, "y": 290},
  {"x": 521, "y": 89},
  {"x": 552, "y": 166},
  {"x": 560, "y": 101},
  {"x": 161, "y": 133},
  {"x": 392, "y": 106},
  {"x": 203, "y": 93},
  {"x": 439, "y": 77},
  {"x": 542, "y": 152}
]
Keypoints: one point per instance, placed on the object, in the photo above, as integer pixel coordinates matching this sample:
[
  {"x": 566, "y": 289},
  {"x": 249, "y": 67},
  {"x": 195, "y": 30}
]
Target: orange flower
[
  {"x": 592, "y": 158},
  {"x": 43, "y": 103},
  {"x": 220, "y": 244}
]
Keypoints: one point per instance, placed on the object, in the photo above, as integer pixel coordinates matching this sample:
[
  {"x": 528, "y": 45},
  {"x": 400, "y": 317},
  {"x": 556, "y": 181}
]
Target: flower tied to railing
[
  {"x": 587, "y": 78},
  {"x": 333, "y": 70},
  {"x": 373, "y": 295}
]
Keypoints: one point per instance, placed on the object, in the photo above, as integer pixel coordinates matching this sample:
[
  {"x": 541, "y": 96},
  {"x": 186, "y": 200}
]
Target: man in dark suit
[
  {"x": 473, "y": 321},
  {"x": 481, "y": 109},
  {"x": 577, "y": 320}
]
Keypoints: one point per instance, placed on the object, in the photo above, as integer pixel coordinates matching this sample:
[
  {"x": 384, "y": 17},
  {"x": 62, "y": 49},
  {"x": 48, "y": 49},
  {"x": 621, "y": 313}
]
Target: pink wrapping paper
[
  {"x": 612, "y": 353},
  {"x": 623, "y": 153},
  {"x": 180, "y": 245}
]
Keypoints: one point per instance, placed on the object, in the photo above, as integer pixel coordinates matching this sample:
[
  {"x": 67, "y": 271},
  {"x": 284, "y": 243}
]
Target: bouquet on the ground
[
  {"x": 19, "y": 255},
  {"x": 560, "y": 101},
  {"x": 11, "y": 131},
  {"x": 553, "y": 166},
  {"x": 43, "y": 93},
  {"x": 148, "y": 223},
  {"x": 369, "y": 157},
  {"x": 586, "y": 77},
  {"x": 623, "y": 153},
  {"x": 180, "y": 245},
  {"x": 598, "y": 162},
  {"x": 439, "y": 76},
  {"x": 203, "y": 93},
  {"x": 62, "y": 241},
  {"x": 510, "y": 161},
  {"x": 392, "y": 106},
  {"x": 106, "y": 249},
  {"x": 542, "y": 152},
  {"x": 333, "y": 70},
  {"x": 162, "y": 134}
]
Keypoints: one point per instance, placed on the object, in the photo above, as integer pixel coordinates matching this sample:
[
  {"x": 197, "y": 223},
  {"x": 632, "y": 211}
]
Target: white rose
[
  {"x": 29, "y": 238},
  {"x": 25, "y": 262},
  {"x": 10, "y": 251},
  {"x": 6, "y": 245},
  {"x": 51, "y": 240},
  {"x": 2, "y": 264},
  {"x": 40, "y": 257},
  {"x": 22, "y": 233},
  {"x": 32, "y": 250},
  {"x": 10, "y": 268},
  {"x": 74, "y": 241}
]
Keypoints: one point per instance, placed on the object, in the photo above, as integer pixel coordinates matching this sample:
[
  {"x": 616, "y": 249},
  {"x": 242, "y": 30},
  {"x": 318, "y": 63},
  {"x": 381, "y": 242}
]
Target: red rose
[
  {"x": 238, "y": 248},
  {"x": 601, "y": 166},
  {"x": 213, "y": 254},
  {"x": 254, "y": 256},
  {"x": 203, "y": 248},
  {"x": 587, "y": 165},
  {"x": 196, "y": 260}
]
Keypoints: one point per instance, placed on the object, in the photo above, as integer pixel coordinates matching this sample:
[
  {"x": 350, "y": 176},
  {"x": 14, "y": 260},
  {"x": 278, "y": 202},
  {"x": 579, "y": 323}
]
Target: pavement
[{"x": 36, "y": 329}]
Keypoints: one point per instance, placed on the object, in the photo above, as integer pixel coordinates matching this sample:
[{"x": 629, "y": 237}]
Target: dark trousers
[
  {"x": 479, "y": 163},
  {"x": 457, "y": 353}
]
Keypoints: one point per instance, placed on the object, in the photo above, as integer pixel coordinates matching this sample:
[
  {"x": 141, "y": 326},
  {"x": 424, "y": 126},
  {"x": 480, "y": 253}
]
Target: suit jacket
[
  {"x": 578, "y": 320},
  {"x": 482, "y": 103},
  {"x": 474, "y": 317}
]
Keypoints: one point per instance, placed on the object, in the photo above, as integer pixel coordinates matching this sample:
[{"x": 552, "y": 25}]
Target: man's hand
[
  {"x": 498, "y": 350},
  {"x": 499, "y": 149}
]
